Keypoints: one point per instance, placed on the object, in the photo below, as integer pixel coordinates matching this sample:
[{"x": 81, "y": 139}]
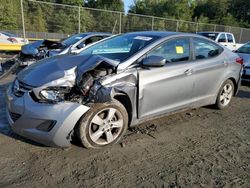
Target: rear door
[
  {"x": 209, "y": 68},
  {"x": 167, "y": 88}
]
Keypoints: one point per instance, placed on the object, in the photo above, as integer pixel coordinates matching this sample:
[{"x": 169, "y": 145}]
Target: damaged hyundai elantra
[{"x": 117, "y": 83}]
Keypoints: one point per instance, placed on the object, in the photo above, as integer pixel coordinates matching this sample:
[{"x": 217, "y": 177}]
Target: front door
[{"x": 168, "y": 88}]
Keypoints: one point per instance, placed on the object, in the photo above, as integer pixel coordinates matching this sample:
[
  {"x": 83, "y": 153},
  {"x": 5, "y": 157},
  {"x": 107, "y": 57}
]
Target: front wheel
[
  {"x": 104, "y": 124},
  {"x": 225, "y": 95}
]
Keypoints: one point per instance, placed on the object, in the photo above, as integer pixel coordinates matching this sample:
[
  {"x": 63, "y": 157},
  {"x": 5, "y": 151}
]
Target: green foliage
[
  {"x": 116, "y": 5},
  {"x": 10, "y": 15},
  {"x": 36, "y": 14},
  {"x": 240, "y": 9},
  {"x": 70, "y": 2},
  {"x": 41, "y": 17}
]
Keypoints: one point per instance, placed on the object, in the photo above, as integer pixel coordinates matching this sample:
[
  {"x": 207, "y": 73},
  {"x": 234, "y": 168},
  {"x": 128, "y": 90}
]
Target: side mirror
[
  {"x": 81, "y": 45},
  {"x": 70, "y": 50},
  {"x": 154, "y": 61}
]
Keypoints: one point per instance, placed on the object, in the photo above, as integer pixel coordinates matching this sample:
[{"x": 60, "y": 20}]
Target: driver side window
[
  {"x": 222, "y": 38},
  {"x": 176, "y": 50}
]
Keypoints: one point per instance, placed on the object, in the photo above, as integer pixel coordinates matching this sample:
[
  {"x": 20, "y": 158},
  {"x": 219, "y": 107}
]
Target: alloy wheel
[
  {"x": 226, "y": 94},
  {"x": 105, "y": 126}
]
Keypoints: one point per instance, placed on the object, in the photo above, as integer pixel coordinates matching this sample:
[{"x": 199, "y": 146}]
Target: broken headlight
[{"x": 54, "y": 94}]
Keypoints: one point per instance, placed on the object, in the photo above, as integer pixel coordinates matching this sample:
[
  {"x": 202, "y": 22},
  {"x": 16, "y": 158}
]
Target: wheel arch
[
  {"x": 124, "y": 99},
  {"x": 235, "y": 84}
]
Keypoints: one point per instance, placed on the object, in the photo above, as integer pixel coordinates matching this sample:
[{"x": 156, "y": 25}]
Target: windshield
[
  {"x": 121, "y": 47},
  {"x": 8, "y": 34},
  {"x": 245, "y": 49},
  {"x": 73, "y": 39},
  {"x": 212, "y": 36}
]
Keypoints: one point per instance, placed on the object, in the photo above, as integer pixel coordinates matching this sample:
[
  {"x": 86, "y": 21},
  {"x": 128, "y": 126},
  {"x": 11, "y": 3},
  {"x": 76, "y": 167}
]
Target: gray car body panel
[
  {"x": 33, "y": 114},
  {"x": 152, "y": 92}
]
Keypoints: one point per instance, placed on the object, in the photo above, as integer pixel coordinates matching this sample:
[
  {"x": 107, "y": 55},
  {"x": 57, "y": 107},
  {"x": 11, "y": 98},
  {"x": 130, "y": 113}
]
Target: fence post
[
  {"x": 120, "y": 23},
  {"x": 177, "y": 25},
  {"x": 214, "y": 28},
  {"x": 241, "y": 32},
  {"x": 79, "y": 19},
  {"x": 22, "y": 15},
  {"x": 197, "y": 27},
  {"x": 152, "y": 26}
]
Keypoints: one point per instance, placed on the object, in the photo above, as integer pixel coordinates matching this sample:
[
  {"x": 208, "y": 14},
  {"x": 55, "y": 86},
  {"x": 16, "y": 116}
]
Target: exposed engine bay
[
  {"x": 83, "y": 84},
  {"x": 88, "y": 87}
]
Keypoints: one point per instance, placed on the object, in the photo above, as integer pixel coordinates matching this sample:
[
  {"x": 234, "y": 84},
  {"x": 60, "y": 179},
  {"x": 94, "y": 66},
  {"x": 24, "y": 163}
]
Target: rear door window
[
  {"x": 204, "y": 49},
  {"x": 230, "y": 38},
  {"x": 175, "y": 50}
]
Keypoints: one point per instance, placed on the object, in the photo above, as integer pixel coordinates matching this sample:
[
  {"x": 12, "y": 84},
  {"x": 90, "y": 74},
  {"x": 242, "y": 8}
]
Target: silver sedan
[{"x": 120, "y": 82}]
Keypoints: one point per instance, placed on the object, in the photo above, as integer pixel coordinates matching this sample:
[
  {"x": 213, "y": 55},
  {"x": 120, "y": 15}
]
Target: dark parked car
[
  {"x": 41, "y": 49},
  {"x": 244, "y": 52},
  {"x": 119, "y": 82}
]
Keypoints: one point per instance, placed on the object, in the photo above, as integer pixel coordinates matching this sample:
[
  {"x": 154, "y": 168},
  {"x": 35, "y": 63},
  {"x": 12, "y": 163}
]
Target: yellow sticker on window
[{"x": 179, "y": 50}]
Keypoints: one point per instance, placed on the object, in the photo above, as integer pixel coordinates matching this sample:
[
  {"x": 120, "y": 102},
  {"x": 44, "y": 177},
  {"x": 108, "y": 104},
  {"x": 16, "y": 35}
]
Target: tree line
[{"x": 43, "y": 17}]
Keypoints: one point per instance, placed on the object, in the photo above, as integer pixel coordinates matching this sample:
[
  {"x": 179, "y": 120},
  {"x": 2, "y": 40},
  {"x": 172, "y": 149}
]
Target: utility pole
[
  {"x": 79, "y": 19},
  {"x": 23, "y": 23}
]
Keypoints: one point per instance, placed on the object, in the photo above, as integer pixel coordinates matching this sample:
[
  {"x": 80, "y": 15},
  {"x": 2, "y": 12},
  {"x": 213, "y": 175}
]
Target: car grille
[
  {"x": 14, "y": 116},
  {"x": 21, "y": 89}
]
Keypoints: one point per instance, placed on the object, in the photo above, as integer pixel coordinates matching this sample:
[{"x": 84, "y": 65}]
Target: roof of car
[
  {"x": 96, "y": 33},
  {"x": 213, "y": 32},
  {"x": 157, "y": 33}
]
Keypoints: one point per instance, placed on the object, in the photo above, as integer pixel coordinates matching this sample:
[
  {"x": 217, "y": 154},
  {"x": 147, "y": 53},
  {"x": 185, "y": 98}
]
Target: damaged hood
[
  {"x": 33, "y": 48},
  {"x": 56, "y": 67}
]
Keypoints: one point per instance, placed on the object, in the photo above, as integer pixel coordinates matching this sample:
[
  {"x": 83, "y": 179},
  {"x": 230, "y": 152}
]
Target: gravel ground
[{"x": 198, "y": 148}]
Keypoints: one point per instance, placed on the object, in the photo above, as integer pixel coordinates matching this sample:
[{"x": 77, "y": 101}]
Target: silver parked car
[
  {"x": 41, "y": 49},
  {"x": 119, "y": 82},
  {"x": 244, "y": 53}
]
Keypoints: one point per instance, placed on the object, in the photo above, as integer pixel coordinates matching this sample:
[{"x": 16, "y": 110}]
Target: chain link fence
[{"x": 39, "y": 19}]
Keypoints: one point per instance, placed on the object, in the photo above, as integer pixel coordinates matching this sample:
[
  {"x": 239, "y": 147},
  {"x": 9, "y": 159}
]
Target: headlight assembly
[{"x": 54, "y": 94}]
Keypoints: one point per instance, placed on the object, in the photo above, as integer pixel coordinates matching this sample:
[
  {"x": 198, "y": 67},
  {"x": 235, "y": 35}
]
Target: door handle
[{"x": 188, "y": 71}]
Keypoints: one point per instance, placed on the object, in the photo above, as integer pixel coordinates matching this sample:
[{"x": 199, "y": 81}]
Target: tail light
[
  {"x": 13, "y": 40},
  {"x": 239, "y": 60}
]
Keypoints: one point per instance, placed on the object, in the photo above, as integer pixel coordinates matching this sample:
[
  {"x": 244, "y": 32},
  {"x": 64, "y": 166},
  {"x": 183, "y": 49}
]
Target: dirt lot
[{"x": 196, "y": 148}]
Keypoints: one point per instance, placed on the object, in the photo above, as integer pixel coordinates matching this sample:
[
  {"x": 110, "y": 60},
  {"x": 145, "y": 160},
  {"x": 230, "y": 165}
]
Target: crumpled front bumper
[{"x": 25, "y": 115}]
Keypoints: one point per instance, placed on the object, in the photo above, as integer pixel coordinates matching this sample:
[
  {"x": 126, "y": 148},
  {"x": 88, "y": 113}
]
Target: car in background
[
  {"x": 244, "y": 53},
  {"x": 41, "y": 49},
  {"x": 119, "y": 82},
  {"x": 7, "y": 37},
  {"x": 224, "y": 38}
]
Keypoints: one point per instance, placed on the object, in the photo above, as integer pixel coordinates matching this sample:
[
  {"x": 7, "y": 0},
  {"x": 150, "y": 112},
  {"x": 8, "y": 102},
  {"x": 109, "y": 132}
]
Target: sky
[{"x": 127, "y": 3}]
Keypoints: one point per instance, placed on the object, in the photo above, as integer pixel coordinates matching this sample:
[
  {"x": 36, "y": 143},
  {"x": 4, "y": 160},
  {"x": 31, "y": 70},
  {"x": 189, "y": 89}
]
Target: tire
[
  {"x": 225, "y": 95},
  {"x": 104, "y": 124}
]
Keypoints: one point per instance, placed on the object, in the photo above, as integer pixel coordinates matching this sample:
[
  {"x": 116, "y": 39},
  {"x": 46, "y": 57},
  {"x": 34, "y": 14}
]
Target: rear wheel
[
  {"x": 104, "y": 124},
  {"x": 225, "y": 95}
]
